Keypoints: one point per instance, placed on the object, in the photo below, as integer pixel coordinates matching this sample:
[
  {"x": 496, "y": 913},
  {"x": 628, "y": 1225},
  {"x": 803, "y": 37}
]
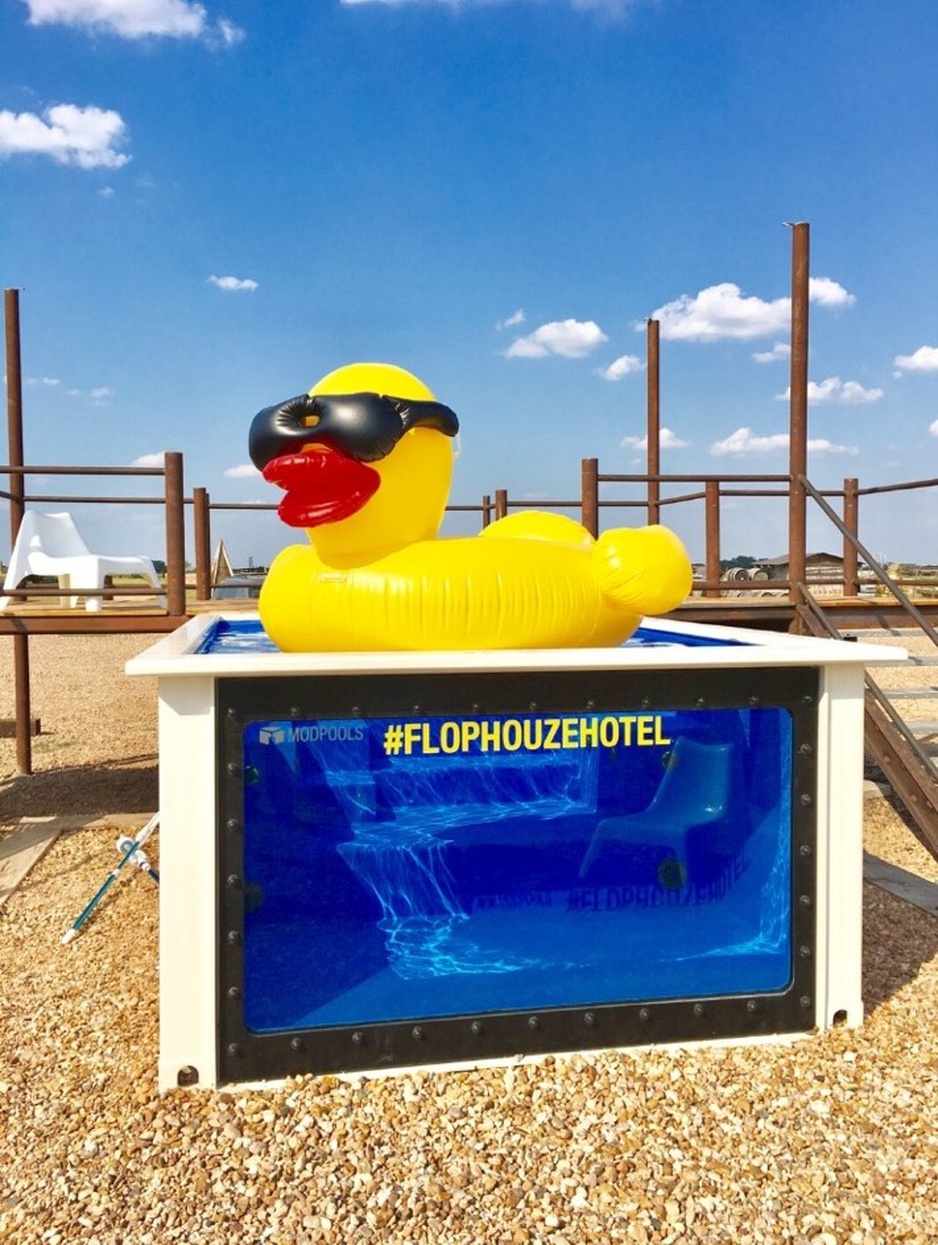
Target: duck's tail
[{"x": 645, "y": 569}]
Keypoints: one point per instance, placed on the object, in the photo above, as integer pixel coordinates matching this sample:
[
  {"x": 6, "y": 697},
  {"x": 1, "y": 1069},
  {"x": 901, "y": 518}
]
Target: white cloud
[
  {"x": 150, "y": 460},
  {"x": 925, "y": 359},
  {"x": 719, "y": 312},
  {"x": 135, "y": 19},
  {"x": 781, "y": 350},
  {"x": 516, "y": 318},
  {"x": 570, "y": 338},
  {"x": 836, "y": 391},
  {"x": 722, "y": 312},
  {"x": 625, "y": 365},
  {"x": 667, "y": 440},
  {"x": 241, "y": 472},
  {"x": 49, "y": 381},
  {"x": 828, "y": 293},
  {"x": 743, "y": 441},
  {"x": 101, "y": 394},
  {"x": 933, "y": 428},
  {"x": 86, "y": 137},
  {"x": 228, "y": 33},
  {"x": 229, "y": 284}
]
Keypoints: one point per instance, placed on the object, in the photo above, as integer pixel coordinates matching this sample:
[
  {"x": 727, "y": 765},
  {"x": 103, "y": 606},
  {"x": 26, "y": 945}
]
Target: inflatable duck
[{"x": 365, "y": 461}]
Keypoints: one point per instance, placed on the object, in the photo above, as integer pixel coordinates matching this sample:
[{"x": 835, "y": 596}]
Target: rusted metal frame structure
[
  {"x": 798, "y": 440},
  {"x": 890, "y": 743},
  {"x": 852, "y": 495},
  {"x": 172, "y": 500},
  {"x": 203, "y": 507},
  {"x": 653, "y": 439},
  {"x": 80, "y": 622},
  {"x": 21, "y": 627},
  {"x": 908, "y": 607},
  {"x": 14, "y": 378},
  {"x": 715, "y": 487},
  {"x": 798, "y": 408}
]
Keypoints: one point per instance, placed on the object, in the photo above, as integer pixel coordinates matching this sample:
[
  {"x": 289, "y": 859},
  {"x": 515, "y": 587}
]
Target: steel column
[
  {"x": 17, "y": 490},
  {"x": 798, "y": 398},
  {"x": 654, "y": 422},
  {"x": 589, "y": 495},
  {"x": 201, "y": 521},
  {"x": 851, "y": 523},
  {"x": 175, "y": 536}
]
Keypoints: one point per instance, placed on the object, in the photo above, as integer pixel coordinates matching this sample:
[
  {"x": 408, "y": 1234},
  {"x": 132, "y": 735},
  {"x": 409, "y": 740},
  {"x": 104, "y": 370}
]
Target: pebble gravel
[{"x": 832, "y": 1140}]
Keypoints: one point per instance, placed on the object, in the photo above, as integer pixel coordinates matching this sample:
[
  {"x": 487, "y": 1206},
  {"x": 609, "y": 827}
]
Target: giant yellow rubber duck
[{"x": 365, "y": 461}]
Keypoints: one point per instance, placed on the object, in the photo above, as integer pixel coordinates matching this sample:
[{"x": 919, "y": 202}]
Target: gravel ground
[{"x": 832, "y": 1140}]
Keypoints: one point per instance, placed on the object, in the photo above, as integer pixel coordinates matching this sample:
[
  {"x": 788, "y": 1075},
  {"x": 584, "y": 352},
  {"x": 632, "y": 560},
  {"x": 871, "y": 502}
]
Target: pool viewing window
[{"x": 429, "y": 867}]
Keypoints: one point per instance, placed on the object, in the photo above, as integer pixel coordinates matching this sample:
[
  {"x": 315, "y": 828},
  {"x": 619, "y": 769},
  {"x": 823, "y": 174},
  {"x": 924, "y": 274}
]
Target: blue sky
[{"x": 209, "y": 206}]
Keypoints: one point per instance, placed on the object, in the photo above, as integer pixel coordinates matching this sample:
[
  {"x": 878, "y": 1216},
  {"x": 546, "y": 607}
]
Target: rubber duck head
[{"x": 365, "y": 459}]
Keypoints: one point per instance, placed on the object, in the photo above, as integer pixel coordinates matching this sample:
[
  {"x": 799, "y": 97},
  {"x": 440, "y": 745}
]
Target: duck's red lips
[{"x": 320, "y": 487}]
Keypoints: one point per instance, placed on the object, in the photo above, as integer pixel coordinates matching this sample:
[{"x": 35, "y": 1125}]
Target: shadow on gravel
[
  {"x": 126, "y": 786},
  {"x": 898, "y": 939}
]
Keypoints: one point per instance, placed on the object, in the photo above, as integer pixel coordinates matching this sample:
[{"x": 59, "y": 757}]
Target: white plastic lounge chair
[{"x": 50, "y": 544}]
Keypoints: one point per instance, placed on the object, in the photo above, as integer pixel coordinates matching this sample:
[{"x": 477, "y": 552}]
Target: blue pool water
[
  {"x": 237, "y": 635},
  {"x": 447, "y": 866}
]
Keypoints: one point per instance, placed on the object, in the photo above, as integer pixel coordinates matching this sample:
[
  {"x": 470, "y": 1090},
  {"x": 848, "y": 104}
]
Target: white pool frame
[{"x": 187, "y": 735}]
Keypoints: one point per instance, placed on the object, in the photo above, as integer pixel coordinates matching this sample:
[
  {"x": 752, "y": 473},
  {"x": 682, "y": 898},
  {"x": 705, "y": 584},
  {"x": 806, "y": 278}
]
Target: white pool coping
[{"x": 176, "y": 654}]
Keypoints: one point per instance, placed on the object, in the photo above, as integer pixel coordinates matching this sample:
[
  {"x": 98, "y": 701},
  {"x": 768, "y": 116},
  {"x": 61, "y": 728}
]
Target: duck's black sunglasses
[{"x": 365, "y": 426}]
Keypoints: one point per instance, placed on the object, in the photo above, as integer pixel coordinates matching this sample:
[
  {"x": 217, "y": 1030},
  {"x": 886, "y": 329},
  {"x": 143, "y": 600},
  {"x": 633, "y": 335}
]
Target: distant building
[{"x": 816, "y": 566}]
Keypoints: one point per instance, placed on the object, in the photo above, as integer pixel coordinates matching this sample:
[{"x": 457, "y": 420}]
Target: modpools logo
[{"x": 312, "y": 732}]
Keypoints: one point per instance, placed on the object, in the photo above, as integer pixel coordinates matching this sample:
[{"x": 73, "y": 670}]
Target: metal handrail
[
  {"x": 922, "y": 810},
  {"x": 915, "y": 614}
]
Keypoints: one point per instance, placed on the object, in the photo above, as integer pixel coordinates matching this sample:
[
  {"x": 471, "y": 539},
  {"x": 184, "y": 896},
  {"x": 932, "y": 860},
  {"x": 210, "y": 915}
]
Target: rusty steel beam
[
  {"x": 23, "y": 709},
  {"x": 81, "y": 623},
  {"x": 712, "y": 540},
  {"x": 175, "y": 536},
  {"x": 11, "y": 313},
  {"x": 851, "y": 523},
  {"x": 914, "y": 782},
  {"x": 202, "y": 539},
  {"x": 888, "y": 741},
  {"x": 14, "y": 381},
  {"x": 798, "y": 403},
  {"x": 589, "y": 495},
  {"x": 654, "y": 420}
]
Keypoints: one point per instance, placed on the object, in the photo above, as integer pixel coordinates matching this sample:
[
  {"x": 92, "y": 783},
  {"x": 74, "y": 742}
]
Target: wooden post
[
  {"x": 17, "y": 490},
  {"x": 589, "y": 495},
  {"x": 798, "y": 422},
  {"x": 712, "y": 519},
  {"x": 175, "y": 536},
  {"x": 501, "y": 503},
  {"x": 202, "y": 538},
  {"x": 852, "y": 524},
  {"x": 653, "y": 486},
  {"x": 486, "y": 509}
]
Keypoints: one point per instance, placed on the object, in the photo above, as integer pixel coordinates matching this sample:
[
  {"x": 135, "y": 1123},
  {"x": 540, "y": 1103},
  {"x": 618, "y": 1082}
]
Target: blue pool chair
[{"x": 695, "y": 791}]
